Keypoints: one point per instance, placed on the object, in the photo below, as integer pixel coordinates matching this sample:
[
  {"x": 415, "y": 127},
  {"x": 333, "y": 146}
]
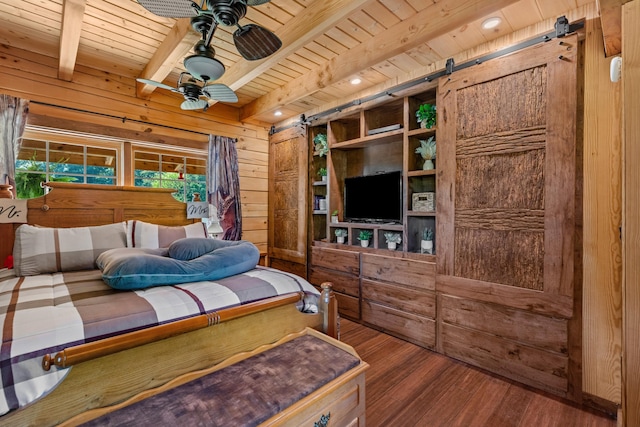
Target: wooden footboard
[{"x": 113, "y": 378}]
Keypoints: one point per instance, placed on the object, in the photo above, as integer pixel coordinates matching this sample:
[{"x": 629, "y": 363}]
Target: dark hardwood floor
[{"x": 407, "y": 385}]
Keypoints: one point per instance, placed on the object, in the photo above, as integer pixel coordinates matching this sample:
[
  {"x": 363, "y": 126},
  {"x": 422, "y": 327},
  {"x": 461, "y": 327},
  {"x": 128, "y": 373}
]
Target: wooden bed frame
[{"x": 115, "y": 369}]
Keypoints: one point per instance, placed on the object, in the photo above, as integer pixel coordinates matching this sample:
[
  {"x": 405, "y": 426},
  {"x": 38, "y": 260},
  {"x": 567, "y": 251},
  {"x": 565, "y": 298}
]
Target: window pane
[{"x": 101, "y": 180}]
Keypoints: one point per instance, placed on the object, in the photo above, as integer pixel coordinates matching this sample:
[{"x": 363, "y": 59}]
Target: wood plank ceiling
[{"x": 326, "y": 43}]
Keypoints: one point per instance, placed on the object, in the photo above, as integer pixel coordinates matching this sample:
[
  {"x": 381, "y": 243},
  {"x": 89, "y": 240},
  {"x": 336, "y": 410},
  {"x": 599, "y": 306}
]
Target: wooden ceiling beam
[
  {"x": 316, "y": 19},
  {"x": 611, "y": 22},
  {"x": 178, "y": 44},
  {"x": 433, "y": 21},
  {"x": 72, "y": 17}
]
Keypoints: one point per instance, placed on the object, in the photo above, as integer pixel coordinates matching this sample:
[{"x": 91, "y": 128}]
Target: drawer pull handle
[{"x": 323, "y": 421}]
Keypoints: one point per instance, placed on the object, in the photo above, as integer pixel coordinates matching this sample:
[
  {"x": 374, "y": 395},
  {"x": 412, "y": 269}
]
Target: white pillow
[{"x": 152, "y": 236}]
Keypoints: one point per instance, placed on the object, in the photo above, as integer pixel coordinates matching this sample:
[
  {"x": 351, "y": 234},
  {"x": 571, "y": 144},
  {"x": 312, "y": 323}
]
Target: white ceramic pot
[
  {"x": 364, "y": 243},
  {"x": 428, "y": 165},
  {"x": 334, "y": 219},
  {"x": 391, "y": 246},
  {"x": 426, "y": 246},
  {"x": 340, "y": 239},
  {"x": 322, "y": 204}
]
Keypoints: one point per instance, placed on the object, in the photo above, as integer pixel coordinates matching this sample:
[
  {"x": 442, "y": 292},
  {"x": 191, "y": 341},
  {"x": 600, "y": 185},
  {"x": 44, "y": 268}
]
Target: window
[
  {"x": 44, "y": 160},
  {"x": 186, "y": 174},
  {"x": 51, "y": 155}
]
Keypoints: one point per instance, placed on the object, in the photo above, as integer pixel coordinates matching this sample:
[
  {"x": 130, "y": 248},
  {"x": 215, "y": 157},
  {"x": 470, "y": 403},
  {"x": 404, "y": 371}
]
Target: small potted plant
[
  {"x": 334, "y": 216},
  {"x": 320, "y": 145},
  {"x": 392, "y": 240},
  {"x": 340, "y": 233},
  {"x": 323, "y": 174},
  {"x": 426, "y": 245},
  {"x": 426, "y": 116},
  {"x": 364, "y": 237},
  {"x": 427, "y": 150}
]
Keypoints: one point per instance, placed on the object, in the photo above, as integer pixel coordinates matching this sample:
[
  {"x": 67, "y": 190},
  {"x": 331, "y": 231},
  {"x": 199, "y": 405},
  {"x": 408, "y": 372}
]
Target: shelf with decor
[{"x": 381, "y": 142}]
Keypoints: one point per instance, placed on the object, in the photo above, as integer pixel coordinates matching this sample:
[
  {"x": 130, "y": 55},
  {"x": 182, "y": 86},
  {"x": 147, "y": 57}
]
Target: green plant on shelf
[
  {"x": 393, "y": 237},
  {"x": 426, "y": 116},
  {"x": 340, "y": 232},
  {"x": 427, "y": 234},
  {"x": 365, "y": 235},
  {"x": 322, "y": 172},
  {"x": 320, "y": 145},
  {"x": 427, "y": 150}
]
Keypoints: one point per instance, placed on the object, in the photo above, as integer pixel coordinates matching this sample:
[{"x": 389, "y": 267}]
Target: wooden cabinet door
[
  {"x": 288, "y": 159},
  {"x": 508, "y": 224}
]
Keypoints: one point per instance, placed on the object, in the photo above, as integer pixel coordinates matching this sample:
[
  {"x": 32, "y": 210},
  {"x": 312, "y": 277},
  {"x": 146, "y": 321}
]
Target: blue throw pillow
[{"x": 186, "y": 260}]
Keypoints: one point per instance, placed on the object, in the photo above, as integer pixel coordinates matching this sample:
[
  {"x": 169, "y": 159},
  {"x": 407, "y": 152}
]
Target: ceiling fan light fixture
[{"x": 204, "y": 67}]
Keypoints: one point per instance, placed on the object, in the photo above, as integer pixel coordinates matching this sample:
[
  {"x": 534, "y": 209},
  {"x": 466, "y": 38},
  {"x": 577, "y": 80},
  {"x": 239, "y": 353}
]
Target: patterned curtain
[
  {"x": 13, "y": 118},
  {"x": 224, "y": 185}
]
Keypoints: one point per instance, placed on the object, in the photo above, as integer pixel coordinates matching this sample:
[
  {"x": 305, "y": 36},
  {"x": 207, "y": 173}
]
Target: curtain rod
[
  {"x": 562, "y": 28},
  {"x": 123, "y": 118}
]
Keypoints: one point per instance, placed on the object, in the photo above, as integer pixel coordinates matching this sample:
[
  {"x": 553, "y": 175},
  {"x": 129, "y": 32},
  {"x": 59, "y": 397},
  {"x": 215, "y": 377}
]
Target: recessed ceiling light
[
  {"x": 356, "y": 81},
  {"x": 491, "y": 23},
  {"x": 277, "y": 113}
]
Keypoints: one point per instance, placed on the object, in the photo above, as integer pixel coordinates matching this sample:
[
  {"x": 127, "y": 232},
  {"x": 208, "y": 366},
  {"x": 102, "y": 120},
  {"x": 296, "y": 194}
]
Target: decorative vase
[
  {"x": 322, "y": 204},
  {"x": 391, "y": 246},
  {"x": 364, "y": 243},
  {"x": 428, "y": 165},
  {"x": 324, "y": 178},
  {"x": 334, "y": 218},
  {"x": 426, "y": 246},
  {"x": 5, "y": 191},
  {"x": 340, "y": 239}
]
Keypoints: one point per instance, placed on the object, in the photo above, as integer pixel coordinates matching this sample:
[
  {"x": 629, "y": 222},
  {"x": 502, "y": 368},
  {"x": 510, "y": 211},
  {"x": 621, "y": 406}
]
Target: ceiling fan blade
[
  {"x": 154, "y": 83},
  {"x": 255, "y": 42},
  {"x": 170, "y": 8},
  {"x": 189, "y": 104},
  {"x": 256, "y": 2},
  {"x": 220, "y": 92}
]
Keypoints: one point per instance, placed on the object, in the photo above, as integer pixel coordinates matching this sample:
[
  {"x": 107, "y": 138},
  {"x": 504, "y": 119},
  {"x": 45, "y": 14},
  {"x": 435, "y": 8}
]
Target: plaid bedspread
[{"x": 46, "y": 313}]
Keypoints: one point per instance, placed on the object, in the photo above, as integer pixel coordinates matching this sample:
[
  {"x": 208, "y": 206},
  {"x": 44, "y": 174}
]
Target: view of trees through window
[
  {"x": 186, "y": 174},
  {"x": 43, "y": 161},
  {"x": 90, "y": 159}
]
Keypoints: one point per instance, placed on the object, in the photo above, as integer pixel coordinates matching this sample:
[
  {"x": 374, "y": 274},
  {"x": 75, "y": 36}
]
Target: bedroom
[{"x": 105, "y": 69}]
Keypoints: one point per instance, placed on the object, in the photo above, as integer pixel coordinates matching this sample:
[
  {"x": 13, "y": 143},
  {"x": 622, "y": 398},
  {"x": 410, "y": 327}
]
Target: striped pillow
[
  {"x": 152, "y": 236},
  {"x": 39, "y": 250}
]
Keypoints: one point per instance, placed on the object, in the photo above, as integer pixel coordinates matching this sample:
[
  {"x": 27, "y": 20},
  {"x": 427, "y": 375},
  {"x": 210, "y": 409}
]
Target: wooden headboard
[{"x": 81, "y": 205}]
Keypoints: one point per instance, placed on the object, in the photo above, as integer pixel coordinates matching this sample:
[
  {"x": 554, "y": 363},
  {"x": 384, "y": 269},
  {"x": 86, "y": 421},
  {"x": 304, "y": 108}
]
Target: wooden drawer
[
  {"x": 348, "y": 306},
  {"x": 418, "y": 274},
  {"x": 343, "y": 400},
  {"x": 336, "y": 259},
  {"x": 422, "y": 303},
  {"x": 416, "y": 329},
  {"x": 343, "y": 283}
]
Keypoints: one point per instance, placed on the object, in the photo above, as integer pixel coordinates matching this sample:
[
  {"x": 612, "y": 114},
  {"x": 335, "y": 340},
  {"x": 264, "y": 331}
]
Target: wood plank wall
[
  {"x": 631, "y": 206},
  {"x": 110, "y": 94},
  {"x": 602, "y": 316}
]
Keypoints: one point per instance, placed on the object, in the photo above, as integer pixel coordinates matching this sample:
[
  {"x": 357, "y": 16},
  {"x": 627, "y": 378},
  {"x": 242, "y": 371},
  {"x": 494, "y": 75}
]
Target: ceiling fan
[
  {"x": 252, "y": 41},
  {"x": 194, "y": 93}
]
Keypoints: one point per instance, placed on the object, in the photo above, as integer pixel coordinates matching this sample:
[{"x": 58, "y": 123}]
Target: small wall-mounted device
[{"x": 615, "y": 69}]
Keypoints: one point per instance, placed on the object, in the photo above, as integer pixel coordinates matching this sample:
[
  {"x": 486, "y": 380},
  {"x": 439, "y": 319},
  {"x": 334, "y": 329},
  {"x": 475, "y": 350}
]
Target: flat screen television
[{"x": 373, "y": 198}]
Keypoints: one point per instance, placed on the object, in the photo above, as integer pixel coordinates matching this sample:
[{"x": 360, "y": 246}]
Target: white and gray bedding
[{"x": 45, "y": 313}]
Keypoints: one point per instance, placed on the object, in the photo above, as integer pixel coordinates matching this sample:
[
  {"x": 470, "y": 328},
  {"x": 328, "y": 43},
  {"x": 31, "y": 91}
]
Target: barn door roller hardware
[{"x": 562, "y": 28}]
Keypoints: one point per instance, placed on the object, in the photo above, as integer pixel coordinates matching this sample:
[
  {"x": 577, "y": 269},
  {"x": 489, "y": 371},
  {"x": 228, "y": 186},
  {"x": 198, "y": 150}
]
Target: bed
[{"x": 89, "y": 364}]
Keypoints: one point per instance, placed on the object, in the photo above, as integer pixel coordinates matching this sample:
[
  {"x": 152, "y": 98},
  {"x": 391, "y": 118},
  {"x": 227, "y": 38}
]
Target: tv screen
[{"x": 373, "y": 197}]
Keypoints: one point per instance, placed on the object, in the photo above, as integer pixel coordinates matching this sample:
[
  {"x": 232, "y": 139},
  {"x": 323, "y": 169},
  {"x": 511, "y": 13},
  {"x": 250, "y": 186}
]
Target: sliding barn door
[
  {"x": 508, "y": 224},
  {"x": 288, "y": 159}
]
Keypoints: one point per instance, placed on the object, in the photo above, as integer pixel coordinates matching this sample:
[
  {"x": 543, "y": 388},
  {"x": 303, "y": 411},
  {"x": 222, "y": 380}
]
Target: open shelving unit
[{"x": 373, "y": 140}]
